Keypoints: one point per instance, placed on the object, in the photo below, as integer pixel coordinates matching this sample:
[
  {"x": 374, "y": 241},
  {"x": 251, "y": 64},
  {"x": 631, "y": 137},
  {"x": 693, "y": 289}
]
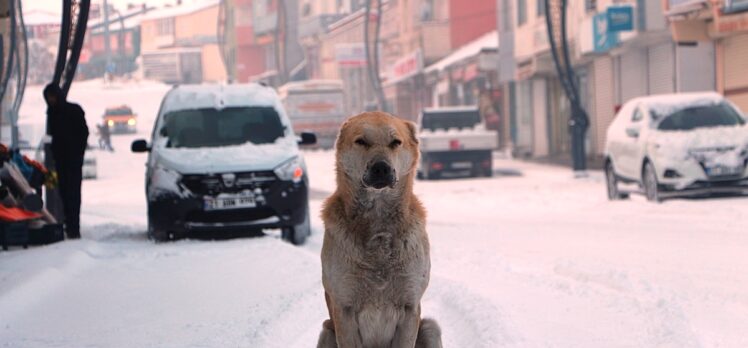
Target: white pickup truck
[{"x": 455, "y": 142}]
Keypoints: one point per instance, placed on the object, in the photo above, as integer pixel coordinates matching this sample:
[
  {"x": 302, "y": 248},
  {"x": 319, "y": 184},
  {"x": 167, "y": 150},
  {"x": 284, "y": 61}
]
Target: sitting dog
[{"x": 375, "y": 253}]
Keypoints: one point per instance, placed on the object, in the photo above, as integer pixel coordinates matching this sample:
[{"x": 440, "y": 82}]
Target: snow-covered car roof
[
  {"x": 191, "y": 97},
  {"x": 666, "y": 104}
]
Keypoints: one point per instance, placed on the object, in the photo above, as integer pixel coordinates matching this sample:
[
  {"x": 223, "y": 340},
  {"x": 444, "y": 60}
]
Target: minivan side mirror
[
  {"x": 140, "y": 145},
  {"x": 308, "y": 138}
]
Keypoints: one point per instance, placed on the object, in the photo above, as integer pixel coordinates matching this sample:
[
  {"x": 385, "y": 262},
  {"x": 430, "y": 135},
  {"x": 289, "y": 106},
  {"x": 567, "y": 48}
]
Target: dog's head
[{"x": 376, "y": 150}]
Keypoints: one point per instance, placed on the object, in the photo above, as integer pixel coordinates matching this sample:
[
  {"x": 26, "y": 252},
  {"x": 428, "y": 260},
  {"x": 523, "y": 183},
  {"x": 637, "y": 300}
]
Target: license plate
[
  {"x": 722, "y": 170},
  {"x": 462, "y": 165},
  {"x": 235, "y": 202}
]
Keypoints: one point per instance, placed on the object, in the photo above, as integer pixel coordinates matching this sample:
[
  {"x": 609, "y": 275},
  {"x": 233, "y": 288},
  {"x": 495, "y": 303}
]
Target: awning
[{"x": 487, "y": 41}]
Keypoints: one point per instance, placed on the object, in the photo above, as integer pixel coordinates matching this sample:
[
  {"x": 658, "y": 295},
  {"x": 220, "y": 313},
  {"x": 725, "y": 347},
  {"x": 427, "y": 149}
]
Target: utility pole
[
  {"x": 372, "y": 56},
  {"x": 107, "y": 48},
  {"x": 280, "y": 39},
  {"x": 555, "y": 17}
]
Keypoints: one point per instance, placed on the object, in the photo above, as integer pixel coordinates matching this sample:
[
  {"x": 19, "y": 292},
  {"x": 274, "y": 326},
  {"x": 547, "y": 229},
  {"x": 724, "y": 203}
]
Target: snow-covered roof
[
  {"x": 40, "y": 17},
  {"x": 180, "y": 10},
  {"x": 487, "y": 41},
  {"x": 665, "y": 104},
  {"x": 190, "y": 97}
]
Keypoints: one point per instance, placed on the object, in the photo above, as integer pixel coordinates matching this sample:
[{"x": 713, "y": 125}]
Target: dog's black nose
[{"x": 379, "y": 175}]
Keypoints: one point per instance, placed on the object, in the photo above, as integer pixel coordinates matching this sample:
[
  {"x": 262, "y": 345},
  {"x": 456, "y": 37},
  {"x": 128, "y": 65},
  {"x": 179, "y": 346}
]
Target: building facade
[
  {"x": 612, "y": 66},
  {"x": 721, "y": 27},
  {"x": 175, "y": 50}
]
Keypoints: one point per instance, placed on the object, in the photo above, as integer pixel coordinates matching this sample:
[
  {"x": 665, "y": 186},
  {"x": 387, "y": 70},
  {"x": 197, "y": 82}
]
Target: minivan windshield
[
  {"x": 703, "y": 116},
  {"x": 231, "y": 126}
]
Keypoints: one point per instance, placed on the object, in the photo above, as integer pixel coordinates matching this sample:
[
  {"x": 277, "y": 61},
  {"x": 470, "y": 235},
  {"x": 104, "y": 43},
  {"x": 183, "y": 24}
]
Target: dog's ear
[
  {"x": 412, "y": 131},
  {"x": 341, "y": 134}
]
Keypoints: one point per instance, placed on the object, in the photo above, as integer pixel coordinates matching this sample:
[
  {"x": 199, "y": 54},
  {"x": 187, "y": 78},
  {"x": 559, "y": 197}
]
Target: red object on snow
[{"x": 16, "y": 214}]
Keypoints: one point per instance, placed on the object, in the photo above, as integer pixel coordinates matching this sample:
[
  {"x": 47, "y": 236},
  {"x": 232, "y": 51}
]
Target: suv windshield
[
  {"x": 450, "y": 119},
  {"x": 701, "y": 117},
  {"x": 230, "y": 126}
]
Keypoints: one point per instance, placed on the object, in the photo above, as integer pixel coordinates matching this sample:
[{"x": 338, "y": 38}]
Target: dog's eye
[
  {"x": 395, "y": 143},
  {"x": 362, "y": 142}
]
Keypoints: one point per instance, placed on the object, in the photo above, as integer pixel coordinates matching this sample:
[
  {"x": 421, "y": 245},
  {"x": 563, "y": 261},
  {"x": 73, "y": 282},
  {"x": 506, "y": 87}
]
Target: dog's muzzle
[{"x": 379, "y": 175}]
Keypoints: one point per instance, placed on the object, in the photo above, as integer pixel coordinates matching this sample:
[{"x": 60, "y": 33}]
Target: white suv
[
  {"x": 225, "y": 158},
  {"x": 678, "y": 144}
]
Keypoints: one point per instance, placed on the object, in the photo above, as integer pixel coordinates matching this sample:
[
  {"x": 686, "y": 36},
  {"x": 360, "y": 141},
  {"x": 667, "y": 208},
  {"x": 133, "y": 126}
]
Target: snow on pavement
[{"x": 530, "y": 258}]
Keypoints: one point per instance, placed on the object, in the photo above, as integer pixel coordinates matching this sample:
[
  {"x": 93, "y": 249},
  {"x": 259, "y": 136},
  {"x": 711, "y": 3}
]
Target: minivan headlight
[{"x": 290, "y": 170}]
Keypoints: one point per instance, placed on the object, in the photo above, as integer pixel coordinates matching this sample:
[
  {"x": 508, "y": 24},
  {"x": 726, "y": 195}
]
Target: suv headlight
[{"x": 290, "y": 170}]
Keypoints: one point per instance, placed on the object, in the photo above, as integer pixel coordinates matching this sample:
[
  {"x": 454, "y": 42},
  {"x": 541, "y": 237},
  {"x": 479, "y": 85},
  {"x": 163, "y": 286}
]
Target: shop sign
[
  {"x": 350, "y": 54},
  {"x": 620, "y": 18},
  {"x": 602, "y": 39},
  {"x": 406, "y": 67}
]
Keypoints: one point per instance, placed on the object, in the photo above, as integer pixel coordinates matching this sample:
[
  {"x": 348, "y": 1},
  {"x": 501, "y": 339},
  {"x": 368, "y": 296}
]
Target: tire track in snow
[{"x": 467, "y": 319}]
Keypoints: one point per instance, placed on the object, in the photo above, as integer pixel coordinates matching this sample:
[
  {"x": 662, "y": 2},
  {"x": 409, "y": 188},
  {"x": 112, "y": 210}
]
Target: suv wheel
[
  {"x": 611, "y": 181},
  {"x": 297, "y": 234},
  {"x": 649, "y": 181}
]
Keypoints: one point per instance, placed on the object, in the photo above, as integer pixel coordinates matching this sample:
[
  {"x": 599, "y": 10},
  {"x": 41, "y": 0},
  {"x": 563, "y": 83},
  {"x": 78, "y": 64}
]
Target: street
[{"x": 529, "y": 258}]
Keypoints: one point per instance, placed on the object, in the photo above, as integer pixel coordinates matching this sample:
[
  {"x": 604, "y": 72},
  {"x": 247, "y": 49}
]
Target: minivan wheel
[
  {"x": 611, "y": 181},
  {"x": 651, "y": 186},
  {"x": 297, "y": 234}
]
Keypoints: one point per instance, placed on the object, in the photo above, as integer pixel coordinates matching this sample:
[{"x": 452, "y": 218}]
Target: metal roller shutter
[
  {"x": 602, "y": 103},
  {"x": 633, "y": 74},
  {"x": 661, "y": 69},
  {"x": 735, "y": 79}
]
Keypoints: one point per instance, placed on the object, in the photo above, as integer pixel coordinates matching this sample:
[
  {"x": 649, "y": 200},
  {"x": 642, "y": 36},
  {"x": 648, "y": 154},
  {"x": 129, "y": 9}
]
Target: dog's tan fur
[{"x": 375, "y": 254}]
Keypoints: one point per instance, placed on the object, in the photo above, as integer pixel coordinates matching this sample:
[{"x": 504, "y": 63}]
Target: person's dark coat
[{"x": 67, "y": 126}]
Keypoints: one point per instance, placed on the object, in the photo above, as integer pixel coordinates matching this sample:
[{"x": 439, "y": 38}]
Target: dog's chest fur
[{"x": 386, "y": 261}]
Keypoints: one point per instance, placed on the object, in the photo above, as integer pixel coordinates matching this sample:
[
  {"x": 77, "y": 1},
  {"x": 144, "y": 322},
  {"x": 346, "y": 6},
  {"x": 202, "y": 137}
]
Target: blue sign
[
  {"x": 603, "y": 40},
  {"x": 620, "y": 18}
]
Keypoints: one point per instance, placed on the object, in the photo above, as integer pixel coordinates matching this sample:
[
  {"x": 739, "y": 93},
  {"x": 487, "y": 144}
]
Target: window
[
  {"x": 541, "y": 8},
  {"x": 165, "y": 26},
  {"x": 306, "y": 9},
  {"x": 521, "y": 12},
  {"x": 230, "y": 126},
  {"x": 590, "y": 5},
  {"x": 637, "y": 116},
  {"x": 701, "y": 117}
]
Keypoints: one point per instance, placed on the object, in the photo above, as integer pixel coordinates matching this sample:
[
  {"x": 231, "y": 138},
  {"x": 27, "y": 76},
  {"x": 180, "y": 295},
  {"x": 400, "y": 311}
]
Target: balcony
[{"x": 316, "y": 25}]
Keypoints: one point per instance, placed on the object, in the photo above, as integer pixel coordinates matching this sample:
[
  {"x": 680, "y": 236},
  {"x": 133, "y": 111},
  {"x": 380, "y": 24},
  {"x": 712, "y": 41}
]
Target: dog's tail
[{"x": 429, "y": 334}]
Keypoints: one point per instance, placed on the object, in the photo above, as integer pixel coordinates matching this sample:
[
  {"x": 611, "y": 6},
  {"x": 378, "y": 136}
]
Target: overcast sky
[{"x": 56, "y": 5}]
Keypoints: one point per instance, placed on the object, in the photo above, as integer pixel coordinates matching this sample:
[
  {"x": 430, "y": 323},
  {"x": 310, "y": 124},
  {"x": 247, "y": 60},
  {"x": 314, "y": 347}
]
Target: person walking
[
  {"x": 105, "y": 137},
  {"x": 69, "y": 132}
]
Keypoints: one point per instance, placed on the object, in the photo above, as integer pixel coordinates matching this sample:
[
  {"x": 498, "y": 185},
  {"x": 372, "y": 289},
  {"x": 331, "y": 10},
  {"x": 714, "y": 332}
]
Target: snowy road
[{"x": 530, "y": 258}]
